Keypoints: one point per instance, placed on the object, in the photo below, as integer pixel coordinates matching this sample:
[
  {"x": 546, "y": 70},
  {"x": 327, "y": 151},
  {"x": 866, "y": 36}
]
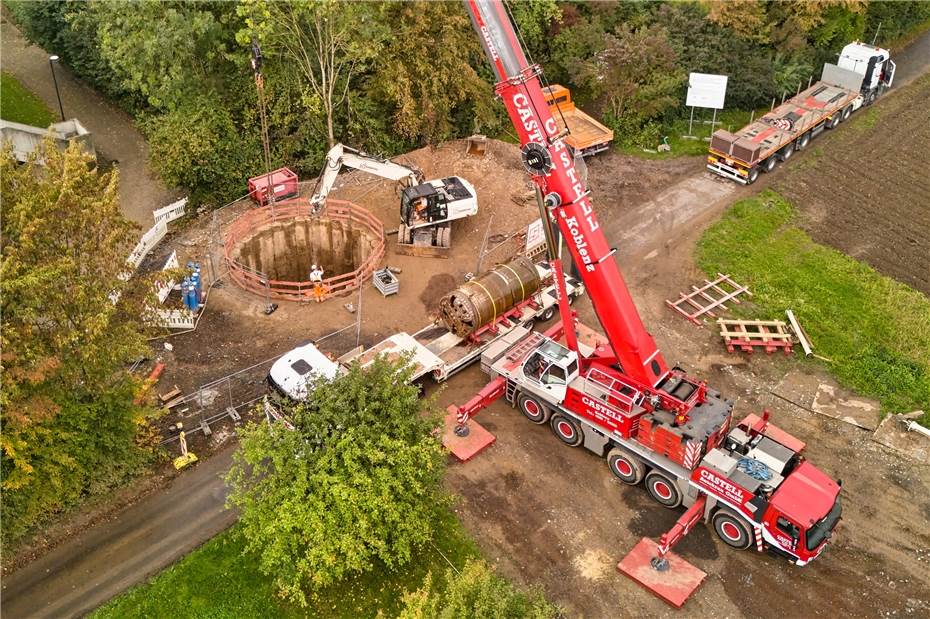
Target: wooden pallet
[
  {"x": 709, "y": 297},
  {"x": 748, "y": 335}
]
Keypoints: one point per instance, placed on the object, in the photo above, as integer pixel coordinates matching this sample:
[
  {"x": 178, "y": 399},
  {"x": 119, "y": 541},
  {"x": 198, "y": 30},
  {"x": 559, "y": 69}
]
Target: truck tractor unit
[{"x": 862, "y": 74}]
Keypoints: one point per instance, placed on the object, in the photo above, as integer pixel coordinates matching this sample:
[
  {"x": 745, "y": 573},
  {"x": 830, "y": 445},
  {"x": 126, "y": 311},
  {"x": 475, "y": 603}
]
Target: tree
[
  {"x": 475, "y": 592},
  {"x": 68, "y": 415},
  {"x": 328, "y": 43},
  {"x": 424, "y": 72},
  {"x": 357, "y": 484},
  {"x": 165, "y": 52}
]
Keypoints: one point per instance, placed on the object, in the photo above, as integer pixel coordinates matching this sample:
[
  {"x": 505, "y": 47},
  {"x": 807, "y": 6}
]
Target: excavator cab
[{"x": 422, "y": 204}]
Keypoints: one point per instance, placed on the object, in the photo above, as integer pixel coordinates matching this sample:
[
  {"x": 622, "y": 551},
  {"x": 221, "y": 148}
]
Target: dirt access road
[
  {"x": 115, "y": 136},
  {"x": 548, "y": 514}
]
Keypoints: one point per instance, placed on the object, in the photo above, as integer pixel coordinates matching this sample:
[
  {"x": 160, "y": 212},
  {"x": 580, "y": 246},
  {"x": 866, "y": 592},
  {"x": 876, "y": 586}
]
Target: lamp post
[{"x": 51, "y": 63}]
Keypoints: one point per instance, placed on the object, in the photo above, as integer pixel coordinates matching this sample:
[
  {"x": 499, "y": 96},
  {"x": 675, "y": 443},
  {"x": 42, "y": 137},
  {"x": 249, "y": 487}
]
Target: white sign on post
[{"x": 705, "y": 90}]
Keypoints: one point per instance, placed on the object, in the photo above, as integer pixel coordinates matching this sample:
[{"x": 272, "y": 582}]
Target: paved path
[
  {"x": 83, "y": 573},
  {"x": 86, "y": 571},
  {"x": 115, "y": 136}
]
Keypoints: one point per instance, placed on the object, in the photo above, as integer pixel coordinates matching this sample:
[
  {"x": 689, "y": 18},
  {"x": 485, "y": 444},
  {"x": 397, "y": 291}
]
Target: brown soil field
[{"x": 865, "y": 187}]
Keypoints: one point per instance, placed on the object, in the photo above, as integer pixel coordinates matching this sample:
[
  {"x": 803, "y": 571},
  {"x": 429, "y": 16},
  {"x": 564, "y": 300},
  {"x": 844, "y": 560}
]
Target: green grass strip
[
  {"x": 874, "y": 329},
  {"x": 19, "y": 105},
  {"x": 219, "y": 581}
]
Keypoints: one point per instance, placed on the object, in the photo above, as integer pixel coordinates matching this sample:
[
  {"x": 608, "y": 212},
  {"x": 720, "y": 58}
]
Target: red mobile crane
[{"x": 617, "y": 396}]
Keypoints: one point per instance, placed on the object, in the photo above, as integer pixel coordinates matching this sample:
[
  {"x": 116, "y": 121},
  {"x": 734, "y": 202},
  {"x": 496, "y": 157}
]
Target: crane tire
[
  {"x": 567, "y": 429},
  {"x": 532, "y": 409},
  {"x": 732, "y": 530},
  {"x": 663, "y": 489},
  {"x": 626, "y": 467}
]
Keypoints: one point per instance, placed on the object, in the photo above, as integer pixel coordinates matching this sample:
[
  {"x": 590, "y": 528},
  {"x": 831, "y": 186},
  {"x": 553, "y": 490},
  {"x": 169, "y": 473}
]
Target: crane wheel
[
  {"x": 663, "y": 489},
  {"x": 532, "y": 409},
  {"x": 627, "y": 469},
  {"x": 567, "y": 429},
  {"x": 732, "y": 530}
]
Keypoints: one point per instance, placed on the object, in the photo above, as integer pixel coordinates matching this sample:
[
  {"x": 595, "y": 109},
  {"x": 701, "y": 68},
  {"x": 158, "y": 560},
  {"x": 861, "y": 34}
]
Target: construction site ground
[{"x": 551, "y": 515}]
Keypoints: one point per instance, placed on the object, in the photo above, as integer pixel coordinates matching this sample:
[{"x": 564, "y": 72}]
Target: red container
[{"x": 283, "y": 185}]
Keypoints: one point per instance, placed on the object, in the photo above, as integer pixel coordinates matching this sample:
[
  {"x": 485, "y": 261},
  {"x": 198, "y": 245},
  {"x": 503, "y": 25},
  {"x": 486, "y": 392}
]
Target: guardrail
[{"x": 290, "y": 210}]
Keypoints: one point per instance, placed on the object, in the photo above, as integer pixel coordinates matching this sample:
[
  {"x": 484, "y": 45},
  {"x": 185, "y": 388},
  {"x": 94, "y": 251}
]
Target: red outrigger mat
[
  {"x": 674, "y": 585},
  {"x": 464, "y": 448}
]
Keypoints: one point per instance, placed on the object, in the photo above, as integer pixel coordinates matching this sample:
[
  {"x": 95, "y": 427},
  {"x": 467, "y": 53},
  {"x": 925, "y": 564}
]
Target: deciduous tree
[
  {"x": 68, "y": 415},
  {"x": 355, "y": 486}
]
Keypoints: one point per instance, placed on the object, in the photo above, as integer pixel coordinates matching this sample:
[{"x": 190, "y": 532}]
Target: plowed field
[{"x": 865, "y": 187}]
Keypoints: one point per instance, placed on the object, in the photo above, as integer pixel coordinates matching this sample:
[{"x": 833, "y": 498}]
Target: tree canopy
[
  {"x": 68, "y": 415},
  {"x": 356, "y": 485}
]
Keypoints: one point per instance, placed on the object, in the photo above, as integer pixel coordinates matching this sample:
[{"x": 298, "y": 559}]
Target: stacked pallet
[{"x": 750, "y": 335}]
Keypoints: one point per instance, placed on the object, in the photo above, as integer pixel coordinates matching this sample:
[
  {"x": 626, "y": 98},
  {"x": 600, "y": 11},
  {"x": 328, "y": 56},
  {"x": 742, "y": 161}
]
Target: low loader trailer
[{"x": 862, "y": 74}]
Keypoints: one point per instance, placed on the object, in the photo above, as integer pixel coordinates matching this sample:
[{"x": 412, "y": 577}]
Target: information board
[{"x": 706, "y": 90}]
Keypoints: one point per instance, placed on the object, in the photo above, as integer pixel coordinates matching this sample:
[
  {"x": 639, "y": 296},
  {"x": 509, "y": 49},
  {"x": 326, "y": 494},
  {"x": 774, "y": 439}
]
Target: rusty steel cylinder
[{"x": 484, "y": 298}]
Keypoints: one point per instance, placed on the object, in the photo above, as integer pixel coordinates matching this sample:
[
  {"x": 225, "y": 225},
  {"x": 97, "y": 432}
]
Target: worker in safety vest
[{"x": 316, "y": 278}]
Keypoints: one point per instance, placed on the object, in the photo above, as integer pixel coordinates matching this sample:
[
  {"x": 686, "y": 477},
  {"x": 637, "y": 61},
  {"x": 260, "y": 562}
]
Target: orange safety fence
[{"x": 290, "y": 210}]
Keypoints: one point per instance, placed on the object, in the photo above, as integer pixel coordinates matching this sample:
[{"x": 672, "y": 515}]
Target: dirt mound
[{"x": 865, "y": 189}]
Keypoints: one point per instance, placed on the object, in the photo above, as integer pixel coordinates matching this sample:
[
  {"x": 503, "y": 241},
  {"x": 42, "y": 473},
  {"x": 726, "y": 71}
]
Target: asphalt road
[
  {"x": 115, "y": 136},
  {"x": 83, "y": 573},
  {"x": 107, "y": 559}
]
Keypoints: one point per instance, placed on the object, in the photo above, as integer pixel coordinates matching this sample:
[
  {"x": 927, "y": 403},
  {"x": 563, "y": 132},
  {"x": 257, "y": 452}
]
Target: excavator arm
[{"x": 340, "y": 155}]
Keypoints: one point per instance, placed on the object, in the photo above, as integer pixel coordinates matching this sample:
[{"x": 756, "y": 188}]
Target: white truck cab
[
  {"x": 291, "y": 374},
  {"x": 874, "y": 64},
  {"x": 551, "y": 368}
]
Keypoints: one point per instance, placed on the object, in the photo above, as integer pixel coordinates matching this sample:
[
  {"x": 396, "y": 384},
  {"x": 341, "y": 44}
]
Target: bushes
[{"x": 200, "y": 147}]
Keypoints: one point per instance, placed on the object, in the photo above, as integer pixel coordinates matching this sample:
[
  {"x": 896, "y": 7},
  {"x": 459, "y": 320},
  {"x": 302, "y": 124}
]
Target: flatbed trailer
[
  {"x": 434, "y": 350},
  {"x": 861, "y": 77},
  {"x": 585, "y": 135}
]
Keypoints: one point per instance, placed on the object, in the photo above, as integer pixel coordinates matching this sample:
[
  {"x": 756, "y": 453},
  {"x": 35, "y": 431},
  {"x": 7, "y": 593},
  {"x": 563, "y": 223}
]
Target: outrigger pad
[
  {"x": 674, "y": 585},
  {"x": 464, "y": 447}
]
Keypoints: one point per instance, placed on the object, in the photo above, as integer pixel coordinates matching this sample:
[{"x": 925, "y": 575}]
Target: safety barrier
[
  {"x": 169, "y": 213},
  {"x": 290, "y": 210},
  {"x": 148, "y": 242}
]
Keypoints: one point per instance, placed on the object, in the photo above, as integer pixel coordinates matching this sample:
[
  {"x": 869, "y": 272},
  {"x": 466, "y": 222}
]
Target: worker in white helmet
[{"x": 316, "y": 278}]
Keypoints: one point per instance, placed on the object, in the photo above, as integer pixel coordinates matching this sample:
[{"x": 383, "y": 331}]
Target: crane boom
[{"x": 547, "y": 158}]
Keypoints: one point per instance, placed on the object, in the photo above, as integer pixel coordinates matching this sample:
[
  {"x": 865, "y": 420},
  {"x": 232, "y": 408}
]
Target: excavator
[
  {"x": 615, "y": 394},
  {"x": 427, "y": 208}
]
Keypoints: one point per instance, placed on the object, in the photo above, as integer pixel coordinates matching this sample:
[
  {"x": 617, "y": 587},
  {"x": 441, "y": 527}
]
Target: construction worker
[{"x": 316, "y": 278}]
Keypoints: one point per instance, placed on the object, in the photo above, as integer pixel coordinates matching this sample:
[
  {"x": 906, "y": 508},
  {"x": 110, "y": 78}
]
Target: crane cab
[{"x": 551, "y": 367}]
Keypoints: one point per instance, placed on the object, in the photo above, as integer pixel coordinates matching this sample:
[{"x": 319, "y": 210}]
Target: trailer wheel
[
  {"x": 532, "y": 409},
  {"x": 663, "y": 489},
  {"x": 770, "y": 163},
  {"x": 548, "y": 313},
  {"x": 847, "y": 112},
  {"x": 786, "y": 152},
  {"x": 566, "y": 429},
  {"x": 834, "y": 121},
  {"x": 530, "y": 324},
  {"x": 732, "y": 530},
  {"x": 752, "y": 176},
  {"x": 804, "y": 140},
  {"x": 628, "y": 469}
]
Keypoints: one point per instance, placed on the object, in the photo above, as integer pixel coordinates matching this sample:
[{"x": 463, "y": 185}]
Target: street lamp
[{"x": 51, "y": 63}]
